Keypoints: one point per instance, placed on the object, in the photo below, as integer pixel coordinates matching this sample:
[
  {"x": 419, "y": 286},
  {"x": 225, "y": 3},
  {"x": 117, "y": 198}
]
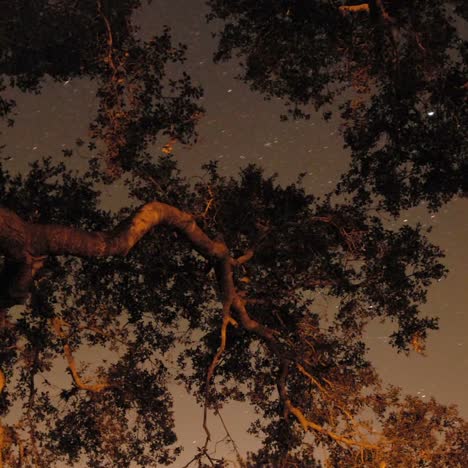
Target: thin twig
[{"x": 233, "y": 442}]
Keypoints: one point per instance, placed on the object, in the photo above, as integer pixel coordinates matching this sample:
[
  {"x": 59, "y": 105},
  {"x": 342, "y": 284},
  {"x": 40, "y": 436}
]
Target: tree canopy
[
  {"x": 97, "y": 40},
  {"x": 216, "y": 284},
  {"x": 395, "y": 71}
]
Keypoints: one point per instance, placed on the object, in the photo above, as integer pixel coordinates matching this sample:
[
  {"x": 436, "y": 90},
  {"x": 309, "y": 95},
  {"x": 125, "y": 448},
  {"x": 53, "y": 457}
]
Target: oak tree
[
  {"x": 394, "y": 71},
  {"x": 97, "y": 40},
  {"x": 215, "y": 285},
  {"x": 229, "y": 281}
]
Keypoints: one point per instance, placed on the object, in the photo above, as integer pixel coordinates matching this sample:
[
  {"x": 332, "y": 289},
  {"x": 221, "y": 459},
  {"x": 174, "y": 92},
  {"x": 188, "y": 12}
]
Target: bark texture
[{"x": 25, "y": 245}]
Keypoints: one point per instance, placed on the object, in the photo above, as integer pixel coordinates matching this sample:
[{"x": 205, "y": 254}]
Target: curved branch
[
  {"x": 375, "y": 8},
  {"x": 99, "y": 387},
  {"x": 354, "y": 8},
  {"x": 290, "y": 408},
  {"x": 23, "y": 243}
]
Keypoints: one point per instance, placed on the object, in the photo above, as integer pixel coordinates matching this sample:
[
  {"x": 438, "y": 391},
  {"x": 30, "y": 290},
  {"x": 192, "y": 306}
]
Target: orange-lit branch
[
  {"x": 374, "y": 6},
  {"x": 310, "y": 425},
  {"x": 57, "y": 324},
  {"x": 224, "y": 275},
  {"x": 21, "y": 240},
  {"x": 355, "y": 8}
]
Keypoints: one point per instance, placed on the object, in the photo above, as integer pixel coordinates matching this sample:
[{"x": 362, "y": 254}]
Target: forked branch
[
  {"x": 99, "y": 387},
  {"x": 290, "y": 408},
  {"x": 21, "y": 242}
]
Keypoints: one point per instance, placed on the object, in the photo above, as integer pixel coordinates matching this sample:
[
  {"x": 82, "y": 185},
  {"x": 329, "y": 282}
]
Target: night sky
[{"x": 239, "y": 127}]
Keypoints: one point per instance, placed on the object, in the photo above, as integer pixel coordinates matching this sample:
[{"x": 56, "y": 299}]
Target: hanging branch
[
  {"x": 99, "y": 387},
  {"x": 22, "y": 242}
]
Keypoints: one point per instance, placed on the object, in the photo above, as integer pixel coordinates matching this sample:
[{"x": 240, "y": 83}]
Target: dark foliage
[
  {"x": 96, "y": 40},
  {"x": 154, "y": 314},
  {"x": 134, "y": 324},
  {"x": 398, "y": 76}
]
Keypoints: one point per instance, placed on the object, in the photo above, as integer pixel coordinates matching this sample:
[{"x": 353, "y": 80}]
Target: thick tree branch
[
  {"x": 355, "y": 8},
  {"x": 375, "y": 8},
  {"x": 22, "y": 243}
]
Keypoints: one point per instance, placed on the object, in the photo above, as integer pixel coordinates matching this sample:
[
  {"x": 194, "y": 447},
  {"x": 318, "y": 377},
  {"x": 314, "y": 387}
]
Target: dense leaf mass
[
  {"x": 154, "y": 315},
  {"x": 397, "y": 71},
  {"x": 138, "y": 99},
  {"x": 226, "y": 296}
]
